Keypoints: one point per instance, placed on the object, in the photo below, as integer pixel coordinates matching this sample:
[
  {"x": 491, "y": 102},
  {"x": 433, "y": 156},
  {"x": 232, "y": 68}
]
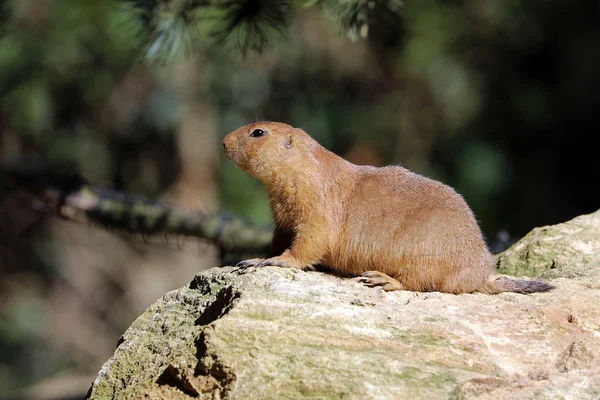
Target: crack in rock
[
  {"x": 222, "y": 304},
  {"x": 575, "y": 356},
  {"x": 173, "y": 377},
  {"x": 215, "y": 377}
]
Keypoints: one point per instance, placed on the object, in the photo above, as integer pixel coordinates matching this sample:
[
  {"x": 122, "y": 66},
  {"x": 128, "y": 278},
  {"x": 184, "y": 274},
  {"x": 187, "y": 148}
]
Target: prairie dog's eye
[{"x": 257, "y": 133}]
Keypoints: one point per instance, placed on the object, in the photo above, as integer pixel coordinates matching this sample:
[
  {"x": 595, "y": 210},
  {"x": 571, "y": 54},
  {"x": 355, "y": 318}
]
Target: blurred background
[{"x": 497, "y": 98}]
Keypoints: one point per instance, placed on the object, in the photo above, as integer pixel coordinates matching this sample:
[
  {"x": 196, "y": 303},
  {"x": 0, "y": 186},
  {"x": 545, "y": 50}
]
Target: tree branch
[{"x": 69, "y": 196}]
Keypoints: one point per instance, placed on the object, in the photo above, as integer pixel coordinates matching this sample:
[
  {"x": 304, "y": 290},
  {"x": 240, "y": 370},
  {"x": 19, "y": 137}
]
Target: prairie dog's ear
[{"x": 289, "y": 142}]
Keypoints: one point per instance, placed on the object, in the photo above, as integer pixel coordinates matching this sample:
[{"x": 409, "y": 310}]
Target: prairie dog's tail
[{"x": 504, "y": 284}]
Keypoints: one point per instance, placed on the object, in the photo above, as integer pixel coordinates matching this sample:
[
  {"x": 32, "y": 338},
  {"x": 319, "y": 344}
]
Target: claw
[
  {"x": 376, "y": 278},
  {"x": 248, "y": 263},
  {"x": 280, "y": 261},
  {"x": 270, "y": 263},
  {"x": 263, "y": 264},
  {"x": 374, "y": 281},
  {"x": 371, "y": 274}
]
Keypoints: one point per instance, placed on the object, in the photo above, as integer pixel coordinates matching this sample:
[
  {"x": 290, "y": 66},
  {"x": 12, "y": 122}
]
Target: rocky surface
[
  {"x": 567, "y": 250},
  {"x": 273, "y": 333}
]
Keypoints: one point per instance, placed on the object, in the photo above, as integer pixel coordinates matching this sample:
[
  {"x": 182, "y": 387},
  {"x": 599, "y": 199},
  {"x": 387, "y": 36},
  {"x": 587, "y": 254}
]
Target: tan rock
[
  {"x": 569, "y": 250},
  {"x": 273, "y": 333}
]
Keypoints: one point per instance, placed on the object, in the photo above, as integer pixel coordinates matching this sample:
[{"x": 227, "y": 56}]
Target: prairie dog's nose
[
  {"x": 226, "y": 143},
  {"x": 227, "y": 146}
]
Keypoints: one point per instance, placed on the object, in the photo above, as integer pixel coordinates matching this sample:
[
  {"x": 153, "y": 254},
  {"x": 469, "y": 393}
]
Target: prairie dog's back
[{"x": 396, "y": 218}]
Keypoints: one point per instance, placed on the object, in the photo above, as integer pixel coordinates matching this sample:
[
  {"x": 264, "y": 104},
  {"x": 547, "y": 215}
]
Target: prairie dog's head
[{"x": 266, "y": 150}]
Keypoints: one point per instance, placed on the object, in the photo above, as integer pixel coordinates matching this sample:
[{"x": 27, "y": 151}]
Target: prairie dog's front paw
[
  {"x": 285, "y": 261},
  {"x": 249, "y": 263}
]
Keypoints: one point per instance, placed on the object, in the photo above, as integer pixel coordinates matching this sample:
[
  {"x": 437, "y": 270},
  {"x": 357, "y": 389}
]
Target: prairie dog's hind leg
[{"x": 376, "y": 278}]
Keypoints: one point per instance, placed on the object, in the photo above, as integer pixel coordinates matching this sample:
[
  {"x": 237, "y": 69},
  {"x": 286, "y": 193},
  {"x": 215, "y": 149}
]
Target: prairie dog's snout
[{"x": 228, "y": 146}]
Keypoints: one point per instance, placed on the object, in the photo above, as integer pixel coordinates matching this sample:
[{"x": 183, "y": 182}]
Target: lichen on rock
[
  {"x": 272, "y": 333},
  {"x": 568, "y": 250}
]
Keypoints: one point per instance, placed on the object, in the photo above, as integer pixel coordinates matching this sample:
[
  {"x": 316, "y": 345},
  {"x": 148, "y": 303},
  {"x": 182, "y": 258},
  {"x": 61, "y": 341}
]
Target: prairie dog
[{"x": 393, "y": 227}]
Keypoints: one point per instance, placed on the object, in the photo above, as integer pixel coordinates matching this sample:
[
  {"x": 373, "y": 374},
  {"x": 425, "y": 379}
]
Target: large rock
[
  {"x": 276, "y": 333},
  {"x": 569, "y": 250}
]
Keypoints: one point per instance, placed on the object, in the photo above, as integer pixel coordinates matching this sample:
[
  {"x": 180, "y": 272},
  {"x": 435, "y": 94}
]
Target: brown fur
[{"x": 417, "y": 233}]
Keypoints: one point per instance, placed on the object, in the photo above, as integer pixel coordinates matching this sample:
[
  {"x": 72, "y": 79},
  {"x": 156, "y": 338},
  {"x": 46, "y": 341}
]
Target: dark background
[{"x": 498, "y": 99}]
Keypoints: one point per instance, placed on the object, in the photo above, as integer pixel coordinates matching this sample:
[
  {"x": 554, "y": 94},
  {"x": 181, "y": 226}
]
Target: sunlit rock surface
[{"x": 274, "y": 333}]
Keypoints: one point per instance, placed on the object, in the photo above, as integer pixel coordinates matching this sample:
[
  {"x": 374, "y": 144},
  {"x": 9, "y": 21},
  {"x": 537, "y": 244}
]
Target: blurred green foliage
[{"x": 496, "y": 98}]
